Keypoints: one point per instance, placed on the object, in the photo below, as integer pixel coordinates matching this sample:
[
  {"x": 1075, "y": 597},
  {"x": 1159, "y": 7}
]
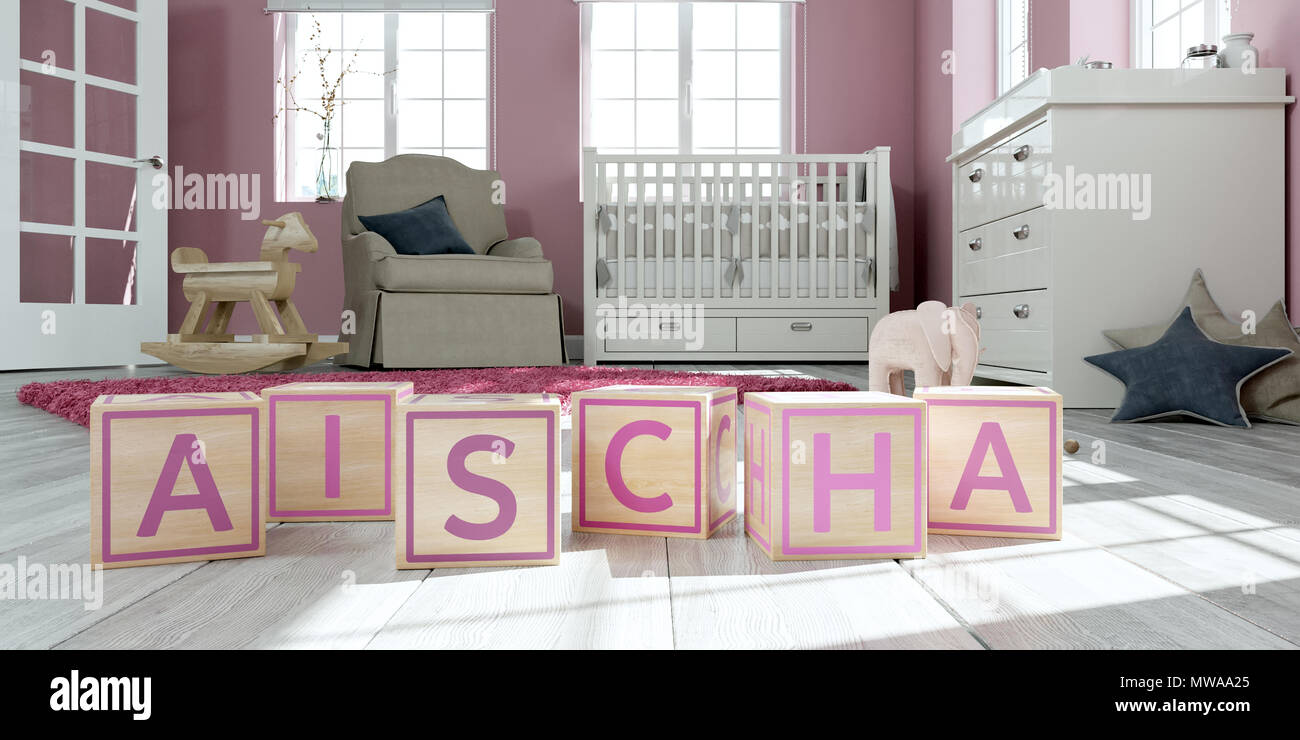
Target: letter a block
[
  {"x": 330, "y": 450},
  {"x": 176, "y": 478},
  {"x": 835, "y": 476},
  {"x": 478, "y": 481},
  {"x": 653, "y": 460},
  {"x": 995, "y": 461}
]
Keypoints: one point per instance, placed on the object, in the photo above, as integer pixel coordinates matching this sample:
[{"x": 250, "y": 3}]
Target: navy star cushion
[{"x": 1186, "y": 373}]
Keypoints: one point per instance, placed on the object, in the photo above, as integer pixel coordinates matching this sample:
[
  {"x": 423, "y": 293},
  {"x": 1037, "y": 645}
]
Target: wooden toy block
[
  {"x": 478, "y": 481},
  {"x": 330, "y": 451},
  {"x": 835, "y": 476},
  {"x": 995, "y": 461},
  {"x": 177, "y": 478},
  {"x": 652, "y": 460}
]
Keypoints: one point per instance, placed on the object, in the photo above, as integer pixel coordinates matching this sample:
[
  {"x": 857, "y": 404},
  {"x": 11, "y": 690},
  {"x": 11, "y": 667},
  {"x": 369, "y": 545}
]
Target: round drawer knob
[
  {"x": 977, "y": 175},
  {"x": 979, "y": 312},
  {"x": 1021, "y": 233},
  {"x": 1023, "y": 153},
  {"x": 1021, "y": 311},
  {"x": 977, "y": 244}
]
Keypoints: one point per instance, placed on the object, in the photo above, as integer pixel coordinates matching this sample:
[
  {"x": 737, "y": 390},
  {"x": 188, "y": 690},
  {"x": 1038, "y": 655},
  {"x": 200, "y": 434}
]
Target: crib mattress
[
  {"x": 736, "y": 233},
  {"x": 800, "y": 273}
]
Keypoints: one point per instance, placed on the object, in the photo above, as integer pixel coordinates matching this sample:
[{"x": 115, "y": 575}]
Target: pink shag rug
[{"x": 71, "y": 399}]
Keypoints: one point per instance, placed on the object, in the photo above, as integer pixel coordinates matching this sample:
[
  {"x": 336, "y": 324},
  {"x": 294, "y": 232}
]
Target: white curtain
[{"x": 379, "y": 6}]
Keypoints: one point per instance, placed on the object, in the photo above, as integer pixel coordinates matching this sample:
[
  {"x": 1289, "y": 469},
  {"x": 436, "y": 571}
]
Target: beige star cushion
[{"x": 1273, "y": 394}]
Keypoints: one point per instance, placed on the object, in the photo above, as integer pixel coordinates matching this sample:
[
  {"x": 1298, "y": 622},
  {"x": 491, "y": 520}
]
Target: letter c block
[
  {"x": 650, "y": 460},
  {"x": 177, "y": 478},
  {"x": 478, "y": 481},
  {"x": 995, "y": 461}
]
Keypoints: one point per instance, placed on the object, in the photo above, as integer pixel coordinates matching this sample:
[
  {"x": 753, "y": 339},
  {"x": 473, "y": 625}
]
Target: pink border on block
[
  {"x": 1052, "y": 451},
  {"x": 106, "y": 485},
  {"x": 919, "y": 517},
  {"x": 387, "y": 400},
  {"x": 735, "y": 428},
  {"x": 767, "y": 489},
  {"x": 409, "y": 493},
  {"x": 582, "y": 466}
]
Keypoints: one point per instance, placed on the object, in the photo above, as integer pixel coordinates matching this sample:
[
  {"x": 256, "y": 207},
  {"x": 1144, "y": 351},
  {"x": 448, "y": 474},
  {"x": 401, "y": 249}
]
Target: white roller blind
[{"x": 380, "y": 6}]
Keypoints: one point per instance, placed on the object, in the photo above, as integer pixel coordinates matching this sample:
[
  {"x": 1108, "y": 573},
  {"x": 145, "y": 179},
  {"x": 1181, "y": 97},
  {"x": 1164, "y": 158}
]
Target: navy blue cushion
[
  {"x": 425, "y": 229},
  {"x": 1186, "y": 373}
]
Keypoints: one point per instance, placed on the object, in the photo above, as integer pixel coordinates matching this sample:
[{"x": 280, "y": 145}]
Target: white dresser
[{"x": 1084, "y": 200}]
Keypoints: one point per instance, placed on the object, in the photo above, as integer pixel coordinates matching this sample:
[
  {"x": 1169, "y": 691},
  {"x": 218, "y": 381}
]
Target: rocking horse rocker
[{"x": 203, "y": 346}]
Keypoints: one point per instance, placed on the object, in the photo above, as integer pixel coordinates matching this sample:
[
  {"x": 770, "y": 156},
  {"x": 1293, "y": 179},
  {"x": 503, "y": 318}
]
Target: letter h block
[
  {"x": 478, "y": 481},
  {"x": 651, "y": 460},
  {"x": 835, "y": 476},
  {"x": 176, "y": 478},
  {"x": 331, "y": 451},
  {"x": 995, "y": 461}
]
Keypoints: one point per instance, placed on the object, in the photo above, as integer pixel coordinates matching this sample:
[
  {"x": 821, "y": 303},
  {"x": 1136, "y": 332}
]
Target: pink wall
[
  {"x": 974, "y": 41},
  {"x": 860, "y": 96},
  {"x": 1276, "y": 24},
  {"x": 1049, "y": 33},
  {"x": 934, "y": 127},
  {"x": 1099, "y": 29}
]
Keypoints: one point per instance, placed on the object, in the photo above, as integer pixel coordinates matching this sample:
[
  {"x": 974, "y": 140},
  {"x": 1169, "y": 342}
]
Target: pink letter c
[{"x": 614, "y": 466}]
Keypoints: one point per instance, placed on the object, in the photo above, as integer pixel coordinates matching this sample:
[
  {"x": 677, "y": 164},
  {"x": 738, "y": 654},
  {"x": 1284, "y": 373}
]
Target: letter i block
[
  {"x": 176, "y": 478},
  {"x": 478, "y": 481},
  {"x": 331, "y": 451},
  {"x": 835, "y": 476},
  {"x": 995, "y": 461},
  {"x": 653, "y": 460}
]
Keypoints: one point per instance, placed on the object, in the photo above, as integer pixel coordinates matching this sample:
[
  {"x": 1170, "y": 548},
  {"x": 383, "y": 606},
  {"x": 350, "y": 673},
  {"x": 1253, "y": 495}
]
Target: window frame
[
  {"x": 1005, "y": 74},
  {"x": 289, "y": 56},
  {"x": 686, "y": 51},
  {"x": 1218, "y": 16}
]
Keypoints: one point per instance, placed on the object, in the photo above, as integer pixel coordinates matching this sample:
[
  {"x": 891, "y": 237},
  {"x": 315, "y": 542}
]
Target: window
[
  {"x": 1166, "y": 29},
  {"x": 417, "y": 83},
  {"x": 686, "y": 78},
  {"x": 1013, "y": 43}
]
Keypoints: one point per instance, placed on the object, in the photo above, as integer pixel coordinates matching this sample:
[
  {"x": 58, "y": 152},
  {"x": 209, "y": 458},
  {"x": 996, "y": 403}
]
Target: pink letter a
[
  {"x": 162, "y": 501},
  {"x": 991, "y": 436}
]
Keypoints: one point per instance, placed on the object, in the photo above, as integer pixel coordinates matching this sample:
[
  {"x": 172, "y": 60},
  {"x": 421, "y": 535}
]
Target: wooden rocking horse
[{"x": 203, "y": 346}]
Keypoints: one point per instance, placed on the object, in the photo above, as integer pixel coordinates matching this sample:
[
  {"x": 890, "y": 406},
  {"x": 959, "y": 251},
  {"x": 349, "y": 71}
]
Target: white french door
[{"x": 83, "y": 261}]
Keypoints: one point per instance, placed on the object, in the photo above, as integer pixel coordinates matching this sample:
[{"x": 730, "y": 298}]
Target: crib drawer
[
  {"x": 668, "y": 335},
  {"x": 1016, "y": 329},
  {"x": 796, "y": 334},
  {"x": 1005, "y": 180},
  {"x": 1011, "y": 255}
]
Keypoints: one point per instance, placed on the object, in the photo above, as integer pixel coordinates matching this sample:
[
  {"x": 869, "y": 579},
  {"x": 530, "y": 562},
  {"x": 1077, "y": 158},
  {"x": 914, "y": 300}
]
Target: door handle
[{"x": 155, "y": 161}]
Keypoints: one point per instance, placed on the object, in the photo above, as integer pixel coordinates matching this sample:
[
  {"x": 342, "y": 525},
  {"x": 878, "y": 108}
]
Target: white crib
[{"x": 735, "y": 258}]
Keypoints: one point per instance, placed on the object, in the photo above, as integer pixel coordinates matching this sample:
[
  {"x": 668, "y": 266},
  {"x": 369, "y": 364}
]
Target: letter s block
[
  {"x": 176, "y": 478},
  {"x": 478, "y": 481},
  {"x": 835, "y": 476},
  {"x": 995, "y": 461},
  {"x": 330, "y": 451},
  {"x": 653, "y": 460}
]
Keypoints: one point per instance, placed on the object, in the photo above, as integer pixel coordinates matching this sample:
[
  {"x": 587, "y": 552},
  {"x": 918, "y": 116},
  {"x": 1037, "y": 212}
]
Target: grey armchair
[{"x": 494, "y": 308}]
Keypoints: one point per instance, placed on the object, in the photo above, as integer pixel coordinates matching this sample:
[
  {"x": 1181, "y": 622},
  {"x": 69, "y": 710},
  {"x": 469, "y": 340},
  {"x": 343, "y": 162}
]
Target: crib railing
[{"x": 695, "y": 190}]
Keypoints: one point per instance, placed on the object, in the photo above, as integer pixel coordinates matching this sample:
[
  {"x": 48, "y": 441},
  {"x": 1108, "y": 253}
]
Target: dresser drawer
[
  {"x": 670, "y": 334},
  {"x": 1005, "y": 180},
  {"x": 822, "y": 334},
  {"x": 1016, "y": 329},
  {"x": 1006, "y": 256}
]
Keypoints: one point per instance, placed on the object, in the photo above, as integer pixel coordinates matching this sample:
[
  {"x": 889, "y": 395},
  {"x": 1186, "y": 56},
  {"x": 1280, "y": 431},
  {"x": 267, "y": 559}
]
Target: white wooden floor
[{"x": 1184, "y": 536}]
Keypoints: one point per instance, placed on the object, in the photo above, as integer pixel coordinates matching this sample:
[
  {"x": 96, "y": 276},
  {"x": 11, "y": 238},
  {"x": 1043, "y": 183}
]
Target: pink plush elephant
[{"x": 940, "y": 345}]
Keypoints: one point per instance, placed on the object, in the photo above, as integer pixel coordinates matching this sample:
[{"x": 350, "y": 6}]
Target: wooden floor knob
[{"x": 1071, "y": 446}]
